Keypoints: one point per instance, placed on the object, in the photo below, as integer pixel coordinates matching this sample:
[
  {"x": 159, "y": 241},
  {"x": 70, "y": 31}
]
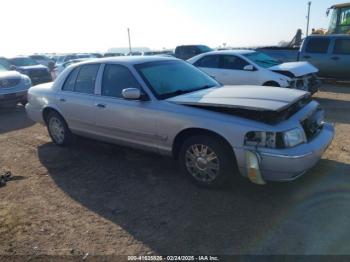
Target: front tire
[
  {"x": 58, "y": 129},
  {"x": 207, "y": 161}
]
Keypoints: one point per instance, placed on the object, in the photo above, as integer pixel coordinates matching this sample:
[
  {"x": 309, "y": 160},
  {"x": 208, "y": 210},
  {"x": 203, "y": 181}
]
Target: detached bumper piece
[{"x": 253, "y": 168}]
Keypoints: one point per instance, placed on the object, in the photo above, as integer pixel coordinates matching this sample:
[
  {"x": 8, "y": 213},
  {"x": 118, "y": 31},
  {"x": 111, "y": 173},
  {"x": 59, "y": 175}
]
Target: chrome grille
[{"x": 7, "y": 83}]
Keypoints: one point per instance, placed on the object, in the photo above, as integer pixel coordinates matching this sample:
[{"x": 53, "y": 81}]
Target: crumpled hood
[
  {"x": 9, "y": 74},
  {"x": 259, "y": 98},
  {"x": 296, "y": 68}
]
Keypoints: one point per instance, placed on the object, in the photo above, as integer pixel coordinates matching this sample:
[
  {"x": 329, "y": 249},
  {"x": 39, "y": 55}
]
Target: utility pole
[
  {"x": 308, "y": 18},
  {"x": 129, "y": 41}
]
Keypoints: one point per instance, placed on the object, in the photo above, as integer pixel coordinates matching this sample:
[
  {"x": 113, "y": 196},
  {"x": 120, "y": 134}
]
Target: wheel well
[
  {"x": 184, "y": 134},
  {"x": 272, "y": 83},
  {"x": 46, "y": 112}
]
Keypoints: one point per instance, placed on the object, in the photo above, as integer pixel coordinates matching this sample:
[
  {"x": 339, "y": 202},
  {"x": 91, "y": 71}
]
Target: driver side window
[{"x": 115, "y": 79}]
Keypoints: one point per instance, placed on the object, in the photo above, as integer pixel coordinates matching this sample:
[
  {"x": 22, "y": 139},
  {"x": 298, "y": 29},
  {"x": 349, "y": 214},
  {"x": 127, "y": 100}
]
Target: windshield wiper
[{"x": 182, "y": 91}]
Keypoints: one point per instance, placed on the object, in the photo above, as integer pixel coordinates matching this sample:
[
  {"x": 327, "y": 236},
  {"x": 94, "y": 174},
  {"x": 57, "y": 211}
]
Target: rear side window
[
  {"x": 70, "y": 81},
  {"x": 86, "y": 79},
  {"x": 342, "y": 47},
  {"x": 232, "y": 62},
  {"x": 209, "y": 61},
  {"x": 318, "y": 46},
  {"x": 115, "y": 79}
]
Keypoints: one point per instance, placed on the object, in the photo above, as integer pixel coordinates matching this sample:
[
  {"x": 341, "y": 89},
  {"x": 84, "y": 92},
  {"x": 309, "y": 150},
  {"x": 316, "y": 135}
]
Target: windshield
[
  {"x": 4, "y": 64},
  {"x": 262, "y": 59},
  {"x": 3, "y": 68},
  {"x": 205, "y": 48},
  {"x": 23, "y": 61},
  {"x": 171, "y": 78}
]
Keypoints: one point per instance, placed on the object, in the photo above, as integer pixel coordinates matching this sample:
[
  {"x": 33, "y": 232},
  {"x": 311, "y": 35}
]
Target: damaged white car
[{"x": 246, "y": 67}]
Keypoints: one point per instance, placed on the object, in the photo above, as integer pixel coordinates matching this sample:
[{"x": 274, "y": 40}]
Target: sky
[{"x": 37, "y": 26}]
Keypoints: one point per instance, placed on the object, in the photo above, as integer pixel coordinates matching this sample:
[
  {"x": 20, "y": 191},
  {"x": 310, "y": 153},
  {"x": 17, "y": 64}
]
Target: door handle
[
  {"x": 306, "y": 56},
  {"x": 100, "y": 105},
  {"x": 335, "y": 58},
  {"x": 61, "y": 99}
]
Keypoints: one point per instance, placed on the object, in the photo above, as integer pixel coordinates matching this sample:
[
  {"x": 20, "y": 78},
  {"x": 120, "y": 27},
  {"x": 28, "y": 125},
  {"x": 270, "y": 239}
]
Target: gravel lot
[{"x": 103, "y": 199}]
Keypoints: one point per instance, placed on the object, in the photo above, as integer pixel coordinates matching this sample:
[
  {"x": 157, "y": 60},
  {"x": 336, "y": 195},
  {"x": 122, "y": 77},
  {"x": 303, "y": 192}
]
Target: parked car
[
  {"x": 65, "y": 58},
  {"x": 330, "y": 54},
  {"x": 246, "y": 67},
  {"x": 112, "y": 54},
  {"x": 168, "y": 106},
  {"x": 187, "y": 51},
  {"x": 96, "y": 55},
  {"x": 37, "y": 73},
  {"x": 43, "y": 60},
  {"x": 59, "y": 68},
  {"x": 135, "y": 53},
  {"x": 13, "y": 85}
]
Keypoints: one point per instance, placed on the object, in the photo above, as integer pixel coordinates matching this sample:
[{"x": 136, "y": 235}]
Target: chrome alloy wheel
[
  {"x": 57, "y": 130},
  {"x": 202, "y": 163}
]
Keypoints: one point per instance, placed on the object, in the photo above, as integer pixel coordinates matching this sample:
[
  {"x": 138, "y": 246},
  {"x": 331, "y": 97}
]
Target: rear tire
[
  {"x": 58, "y": 129},
  {"x": 207, "y": 161}
]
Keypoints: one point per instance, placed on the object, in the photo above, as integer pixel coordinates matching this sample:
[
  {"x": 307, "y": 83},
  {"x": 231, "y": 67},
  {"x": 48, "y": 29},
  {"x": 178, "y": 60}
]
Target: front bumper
[
  {"x": 310, "y": 84},
  {"x": 13, "y": 98},
  {"x": 289, "y": 164}
]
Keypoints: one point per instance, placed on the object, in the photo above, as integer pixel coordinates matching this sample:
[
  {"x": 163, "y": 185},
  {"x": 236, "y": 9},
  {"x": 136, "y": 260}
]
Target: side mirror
[
  {"x": 249, "y": 68},
  {"x": 132, "y": 94}
]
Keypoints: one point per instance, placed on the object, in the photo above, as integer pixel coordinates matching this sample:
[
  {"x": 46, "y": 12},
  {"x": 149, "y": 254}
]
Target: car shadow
[
  {"x": 334, "y": 109},
  {"x": 147, "y": 196},
  {"x": 13, "y": 119},
  {"x": 333, "y": 86}
]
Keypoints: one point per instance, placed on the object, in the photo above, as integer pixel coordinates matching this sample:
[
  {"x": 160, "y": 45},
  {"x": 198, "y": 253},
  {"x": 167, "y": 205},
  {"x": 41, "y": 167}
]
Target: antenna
[
  {"x": 129, "y": 41},
  {"x": 308, "y": 18}
]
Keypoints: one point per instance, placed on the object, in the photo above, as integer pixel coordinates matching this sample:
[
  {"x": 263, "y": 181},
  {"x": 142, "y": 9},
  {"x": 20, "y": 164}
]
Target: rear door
[
  {"x": 340, "y": 59},
  {"x": 76, "y": 99},
  {"x": 316, "y": 51}
]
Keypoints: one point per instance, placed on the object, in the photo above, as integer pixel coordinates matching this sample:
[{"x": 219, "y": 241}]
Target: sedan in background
[
  {"x": 59, "y": 68},
  {"x": 167, "y": 106},
  {"x": 246, "y": 67},
  {"x": 13, "y": 86},
  {"x": 37, "y": 73},
  {"x": 43, "y": 60}
]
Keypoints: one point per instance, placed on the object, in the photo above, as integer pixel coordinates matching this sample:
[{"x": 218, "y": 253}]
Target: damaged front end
[
  {"x": 266, "y": 116},
  {"x": 309, "y": 82}
]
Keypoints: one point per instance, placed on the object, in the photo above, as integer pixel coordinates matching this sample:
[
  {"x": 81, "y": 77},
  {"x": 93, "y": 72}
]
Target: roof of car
[
  {"x": 230, "y": 52},
  {"x": 132, "y": 60}
]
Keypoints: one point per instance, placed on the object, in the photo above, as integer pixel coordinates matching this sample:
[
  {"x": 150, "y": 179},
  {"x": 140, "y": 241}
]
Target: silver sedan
[{"x": 168, "y": 106}]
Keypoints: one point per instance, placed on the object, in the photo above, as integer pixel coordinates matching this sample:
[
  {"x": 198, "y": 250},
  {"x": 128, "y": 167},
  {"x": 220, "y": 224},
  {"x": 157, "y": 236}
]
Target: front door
[
  {"x": 129, "y": 121},
  {"x": 316, "y": 52},
  {"x": 340, "y": 59}
]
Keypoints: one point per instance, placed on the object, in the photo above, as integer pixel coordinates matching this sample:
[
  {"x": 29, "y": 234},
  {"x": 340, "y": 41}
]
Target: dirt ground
[{"x": 103, "y": 199}]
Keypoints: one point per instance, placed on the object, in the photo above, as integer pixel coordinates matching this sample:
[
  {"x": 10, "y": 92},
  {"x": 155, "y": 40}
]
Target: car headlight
[
  {"x": 27, "y": 81},
  {"x": 294, "y": 137},
  {"x": 285, "y": 139},
  {"x": 260, "y": 139}
]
